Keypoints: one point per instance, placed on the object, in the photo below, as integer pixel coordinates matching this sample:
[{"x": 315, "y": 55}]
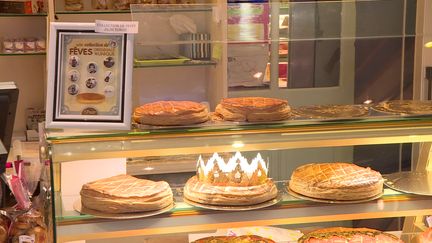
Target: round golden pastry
[
  {"x": 330, "y": 111},
  {"x": 166, "y": 113},
  {"x": 348, "y": 235},
  {"x": 253, "y": 109},
  {"x": 205, "y": 193},
  {"x": 336, "y": 181},
  {"x": 235, "y": 239},
  {"x": 405, "y": 107},
  {"x": 90, "y": 98},
  {"x": 126, "y": 194}
]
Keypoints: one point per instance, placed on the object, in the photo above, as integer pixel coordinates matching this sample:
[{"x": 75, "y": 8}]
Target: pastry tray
[
  {"x": 209, "y": 123},
  {"x": 399, "y": 107},
  {"x": 331, "y": 112},
  {"x": 414, "y": 182},
  {"x": 236, "y": 208},
  {"x": 303, "y": 197},
  {"x": 168, "y": 61},
  {"x": 83, "y": 210},
  {"x": 305, "y": 115}
]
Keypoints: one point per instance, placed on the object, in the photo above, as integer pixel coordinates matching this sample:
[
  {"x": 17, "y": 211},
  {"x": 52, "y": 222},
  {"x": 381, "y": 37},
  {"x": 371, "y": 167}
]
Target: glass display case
[
  {"x": 343, "y": 76},
  {"x": 387, "y": 146}
]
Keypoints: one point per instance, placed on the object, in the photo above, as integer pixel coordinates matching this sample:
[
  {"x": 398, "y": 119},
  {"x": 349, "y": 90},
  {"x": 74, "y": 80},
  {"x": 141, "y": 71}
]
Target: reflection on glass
[
  {"x": 248, "y": 47},
  {"x": 247, "y": 64}
]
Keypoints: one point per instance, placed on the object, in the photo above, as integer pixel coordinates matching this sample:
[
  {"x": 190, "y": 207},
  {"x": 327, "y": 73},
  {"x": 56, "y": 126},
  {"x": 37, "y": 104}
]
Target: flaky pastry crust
[
  {"x": 204, "y": 193},
  {"x": 126, "y": 194},
  {"x": 336, "y": 181}
]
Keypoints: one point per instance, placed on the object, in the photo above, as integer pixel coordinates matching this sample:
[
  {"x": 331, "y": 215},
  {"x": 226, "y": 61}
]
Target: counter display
[
  {"x": 227, "y": 206},
  {"x": 258, "y": 110},
  {"x": 325, "y": 113}
]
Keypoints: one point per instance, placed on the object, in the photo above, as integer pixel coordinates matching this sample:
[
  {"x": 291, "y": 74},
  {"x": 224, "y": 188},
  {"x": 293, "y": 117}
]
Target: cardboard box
[{"x": 33, "y": 117}]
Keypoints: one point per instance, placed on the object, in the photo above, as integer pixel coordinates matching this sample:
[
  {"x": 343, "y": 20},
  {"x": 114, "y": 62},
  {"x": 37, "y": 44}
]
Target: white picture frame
[{"x": 89, "y": 78}]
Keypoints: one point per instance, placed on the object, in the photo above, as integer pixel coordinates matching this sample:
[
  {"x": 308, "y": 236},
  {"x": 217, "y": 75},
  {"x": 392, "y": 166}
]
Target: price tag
[{"x": 114, "y": 27}]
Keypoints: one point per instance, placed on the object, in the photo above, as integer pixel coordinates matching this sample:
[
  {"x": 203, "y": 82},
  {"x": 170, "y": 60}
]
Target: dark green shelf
[
  {"x": 22, "y": 15},
  {"x": 95, "y": 12},
  {"x": 185, "y": 64},
  {"x": 23, "y": 54}
]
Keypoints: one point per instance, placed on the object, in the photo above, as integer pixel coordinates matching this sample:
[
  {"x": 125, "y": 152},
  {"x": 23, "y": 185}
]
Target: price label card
[{"x": 113, "y": 27}]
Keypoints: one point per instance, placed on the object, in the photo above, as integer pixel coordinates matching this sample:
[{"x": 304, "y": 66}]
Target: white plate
[
  {"x": 83, "y": 210},
  {"x": 415, "y": 182},
  {"x": 233, "y": 207},
  {"x": 295, "y": 194}
]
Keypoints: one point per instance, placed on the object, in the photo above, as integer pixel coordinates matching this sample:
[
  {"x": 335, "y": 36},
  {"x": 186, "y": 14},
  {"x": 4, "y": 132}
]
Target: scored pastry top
[
  {"x": 237, "y": 171},
  {"x": 342, "y": 234},
  {"x": 125, "y": 186},
  {"x": 234, "y": 239},
  {"x": 336, "y": 175},
  {"x": 253, "y": 102},
  {"x": 409, "y": 107},
  {"x": 169, "y": 108}
]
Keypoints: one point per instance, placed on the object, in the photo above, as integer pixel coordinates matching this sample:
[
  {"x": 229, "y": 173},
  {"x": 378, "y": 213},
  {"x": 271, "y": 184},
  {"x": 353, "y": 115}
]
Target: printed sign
[{"x": 89, "y": 77}]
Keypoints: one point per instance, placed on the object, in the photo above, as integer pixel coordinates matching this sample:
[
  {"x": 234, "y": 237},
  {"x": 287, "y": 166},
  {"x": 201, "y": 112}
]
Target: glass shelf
[
  {"x": 185, "y": 218},
  {"x": 66, "y": 215},
  {"x": 144, "y": 141},
  {"x": 22, "y": 15},
  {"x": 185, "y": 64},
  {"x": 220, "y": 128},
  {"x": 23, "y": 54}
]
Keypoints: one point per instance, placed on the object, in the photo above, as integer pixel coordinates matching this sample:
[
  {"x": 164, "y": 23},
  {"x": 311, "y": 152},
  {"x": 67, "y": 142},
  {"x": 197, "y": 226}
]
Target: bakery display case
[
  {"x": 284, "y": 115},
  {"x": 80, "y": 156}
]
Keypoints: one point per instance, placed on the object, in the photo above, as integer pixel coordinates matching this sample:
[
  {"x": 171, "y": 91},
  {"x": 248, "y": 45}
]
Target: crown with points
[{"x": 237, "y": 172}]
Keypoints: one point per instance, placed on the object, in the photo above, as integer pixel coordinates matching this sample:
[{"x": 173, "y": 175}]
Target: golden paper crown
[{"x": 237, "y": 172}]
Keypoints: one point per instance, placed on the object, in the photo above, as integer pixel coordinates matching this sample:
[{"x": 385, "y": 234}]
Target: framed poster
[{"x": 89, "y": 78}]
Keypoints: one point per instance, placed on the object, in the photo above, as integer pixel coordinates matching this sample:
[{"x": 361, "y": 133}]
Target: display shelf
[
  {"x": 232, "y": 137},
  {"x": 283, "y": 58},
  {"x": 22, "y": 15},
  {"x": 157, "y": 63},
  {"x": 170, "y": 8},
  {"x": 23, "y": 54},
  {"x": 94, "y": 12},
  {"x": 185, "y": 218},
  {"x": 264, "y": 86},
  {"x": 147, "y": 8},
  {"x": 284, "y": 10}
]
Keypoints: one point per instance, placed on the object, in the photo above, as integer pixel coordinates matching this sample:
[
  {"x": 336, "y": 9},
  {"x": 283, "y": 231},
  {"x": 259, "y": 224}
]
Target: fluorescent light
[
  {"x": 238, "y": 144},
  {"x": 258, "y": 75}
]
